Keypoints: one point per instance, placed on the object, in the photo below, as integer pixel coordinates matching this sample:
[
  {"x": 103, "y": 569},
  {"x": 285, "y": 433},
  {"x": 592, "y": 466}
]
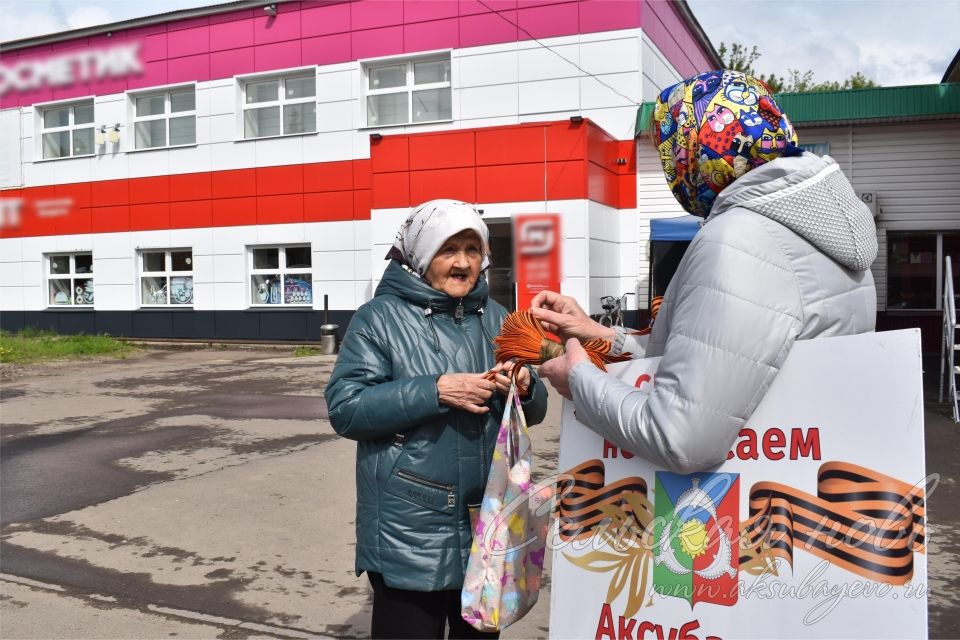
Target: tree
[{"x": 739, "y": 58}]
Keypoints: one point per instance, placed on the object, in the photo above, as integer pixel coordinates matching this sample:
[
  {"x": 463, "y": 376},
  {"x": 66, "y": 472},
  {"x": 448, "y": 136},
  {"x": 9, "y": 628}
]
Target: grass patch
[
  {"x": 304, "y": 351},
  {"x": 32, "y": 345}
]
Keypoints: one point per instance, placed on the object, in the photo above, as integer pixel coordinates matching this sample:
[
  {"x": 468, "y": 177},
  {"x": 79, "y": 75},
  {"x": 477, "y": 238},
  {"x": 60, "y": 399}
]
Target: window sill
[
  {"x": 283, "y": 135},
  {"x": 371, "y": 127},
  {"x": 168, "y": 148},
  {"x": 88, "y": 155},
  {"x": 281, "y": 307},
  {"x": 70, "y": 307},
  {"x": 165, "y": 307}
]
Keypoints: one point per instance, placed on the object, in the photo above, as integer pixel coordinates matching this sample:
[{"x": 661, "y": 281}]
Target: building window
[
  {"x": 403, "y": 92},
  {"x": 166, "y": 277},
  {"x": 70, "y": 280},
  {"x": 915, "y": 268},
  {"x": 280, "y": 106},
  {"x": 281, "y": 276},
  {"x": 67, "y": 131},
  {"x": 165, "y": 119}
]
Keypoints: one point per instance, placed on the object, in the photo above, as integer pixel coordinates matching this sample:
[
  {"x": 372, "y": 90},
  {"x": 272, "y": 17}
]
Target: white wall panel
[
  {"x": 155, "y": 162},
  {"x": 11, "y": 174},
  {"x": 385, "y": 223},
  {"x": 361, "y": 234},
  {"x": 11, "y": 274},
  {"x": 222, "y": 99},
  {"x": 32, "y": 273},
  {"x": 361, "y": 265},
  {"x": 155, "y": 239},
  {"x": 190, "y": 159},
  {"x": 336, "y": 86},
  {"x": 336, "y": 116},
  {"x": 34, "y": 298},
  {"x": 204, "y": 295},
  {"x": 278, "y": 151},
  {"x": 610, "y": 56},
  {"x": 229, "y": 268},
  {"x": 617, "y": 121},
  {"x": 334, "y": 265},
  {"x": 489, "y": 102},
  {"x": 488, "y": 69},
  {"x": 114, "y": 297},
  {"x": 203, "y": 130},
  {"x": 575, "y": 258},
  {"x": 107, "y": 165},
  {"x": 329, "y": 147},
  {"x": 549, "y": 95},
  {"x": 329, "y": 236},
  {"x": 111, "y": 245},
  {"x": 233, "y": 239},
  {"x": 26, "y": 122},
  {"x": 281, "y": 234},
  {"x": 573, "y": 216},
  {"x": 230, "y": 296},
  {"x": 343, "y": 294},
  {"x": 113, "y": 270},
  {"x": 203, "y": 270},
  {"x": 618, "y": 89},
  {"x": 232, "y": 155},
  {"x": 11, "y": 299},
  {"x": 11, "y": 249},
  {"x": 199, "y": 240},
  {"x": 74, "y": 242},
  {"x": 548, "y": 64}
]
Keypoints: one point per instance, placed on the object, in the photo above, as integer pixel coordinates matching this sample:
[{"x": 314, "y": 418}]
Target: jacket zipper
[{"x": 451, "y": 496}]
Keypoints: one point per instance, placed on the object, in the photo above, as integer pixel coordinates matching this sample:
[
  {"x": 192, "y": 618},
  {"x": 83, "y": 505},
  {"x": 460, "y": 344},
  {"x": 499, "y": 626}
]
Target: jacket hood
[
  {"x": 810, "y": 196},
  {"x": 399, "y": 282}
]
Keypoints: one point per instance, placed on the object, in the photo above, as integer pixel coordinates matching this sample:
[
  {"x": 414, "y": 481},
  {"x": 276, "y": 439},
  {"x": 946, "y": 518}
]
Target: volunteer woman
[{"x": 784, "y": 255}]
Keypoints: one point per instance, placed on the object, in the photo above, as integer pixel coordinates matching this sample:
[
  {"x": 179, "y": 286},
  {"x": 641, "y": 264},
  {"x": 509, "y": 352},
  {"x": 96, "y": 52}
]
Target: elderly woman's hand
[
  {"x": 467, "y": 391},
  {"x": 501, "y": 378},
  {"x": 563, "y": 316}
]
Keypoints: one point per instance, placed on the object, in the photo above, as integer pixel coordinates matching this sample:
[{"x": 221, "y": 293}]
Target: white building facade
[{"x": 220, "y": 173}]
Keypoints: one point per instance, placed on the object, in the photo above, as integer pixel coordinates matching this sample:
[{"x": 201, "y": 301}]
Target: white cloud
[
  {"x": 891, "y": 42},
  {"x": 88, "y": 17}
]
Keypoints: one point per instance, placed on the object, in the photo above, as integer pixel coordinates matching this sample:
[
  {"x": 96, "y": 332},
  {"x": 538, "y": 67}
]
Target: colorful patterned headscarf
[{"x": 712, "y": 129}]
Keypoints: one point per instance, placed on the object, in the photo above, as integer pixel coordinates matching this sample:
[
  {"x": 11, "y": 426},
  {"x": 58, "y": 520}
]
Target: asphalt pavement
[{"x": 203, "y": 494}]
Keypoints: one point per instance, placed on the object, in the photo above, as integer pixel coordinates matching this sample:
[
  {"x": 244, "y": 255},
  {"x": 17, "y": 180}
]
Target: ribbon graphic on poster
[{"x": 861, "y": 520}]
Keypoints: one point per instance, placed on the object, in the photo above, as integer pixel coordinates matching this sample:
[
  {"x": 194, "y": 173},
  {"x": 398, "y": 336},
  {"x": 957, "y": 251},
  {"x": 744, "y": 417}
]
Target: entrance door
[{"x": 501, "y": 275}]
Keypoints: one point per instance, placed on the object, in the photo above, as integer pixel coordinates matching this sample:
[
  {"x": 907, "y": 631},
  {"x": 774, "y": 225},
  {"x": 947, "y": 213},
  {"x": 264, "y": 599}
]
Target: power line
[{"x": 567, "y": 60}]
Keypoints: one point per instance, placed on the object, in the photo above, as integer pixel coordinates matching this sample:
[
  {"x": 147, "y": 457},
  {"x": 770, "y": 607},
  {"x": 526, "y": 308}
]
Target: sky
[{"x": 893, "y": 42}]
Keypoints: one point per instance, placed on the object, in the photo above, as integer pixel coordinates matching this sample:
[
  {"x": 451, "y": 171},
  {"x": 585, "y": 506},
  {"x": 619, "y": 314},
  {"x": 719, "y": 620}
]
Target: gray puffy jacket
[{"x": 785, "y": 255}]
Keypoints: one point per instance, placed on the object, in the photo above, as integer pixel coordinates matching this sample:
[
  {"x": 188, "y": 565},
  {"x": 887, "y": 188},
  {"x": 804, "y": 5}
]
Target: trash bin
[{"x": 329, "y": 339}]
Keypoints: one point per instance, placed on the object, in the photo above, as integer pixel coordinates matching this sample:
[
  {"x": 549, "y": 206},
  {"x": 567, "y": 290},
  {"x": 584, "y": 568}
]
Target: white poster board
[{"x": 829, "y": 471}]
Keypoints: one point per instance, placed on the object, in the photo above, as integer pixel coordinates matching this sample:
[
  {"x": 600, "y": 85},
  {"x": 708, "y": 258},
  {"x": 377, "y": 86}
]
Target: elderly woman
[
  {"x": 784, "y": 255},
  {"x": 409, "y": 386}
]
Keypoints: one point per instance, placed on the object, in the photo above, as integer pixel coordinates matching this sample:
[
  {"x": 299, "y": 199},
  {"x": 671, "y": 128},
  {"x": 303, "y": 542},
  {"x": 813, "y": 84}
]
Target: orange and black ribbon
[{"x": 582, "y": 493}]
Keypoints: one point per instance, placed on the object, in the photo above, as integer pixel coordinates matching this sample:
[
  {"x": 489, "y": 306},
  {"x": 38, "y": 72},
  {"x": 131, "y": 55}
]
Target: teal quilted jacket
[{"x": 419, "y": 463}]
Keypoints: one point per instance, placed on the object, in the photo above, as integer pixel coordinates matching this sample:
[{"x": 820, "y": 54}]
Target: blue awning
[{"x": 674, "y": 229}]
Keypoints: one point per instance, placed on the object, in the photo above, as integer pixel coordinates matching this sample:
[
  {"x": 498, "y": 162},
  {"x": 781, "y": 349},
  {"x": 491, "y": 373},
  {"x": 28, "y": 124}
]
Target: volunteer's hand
[
  {"x": 502, "y": 379},
  {"x": 563, "y": 316},
  {"x": 467, "y": 391},
  {"x": 557, "y": 370}
]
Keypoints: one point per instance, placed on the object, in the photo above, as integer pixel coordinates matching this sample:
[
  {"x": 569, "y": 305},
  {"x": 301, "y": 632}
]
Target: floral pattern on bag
[{"x": 503, "y": 576}]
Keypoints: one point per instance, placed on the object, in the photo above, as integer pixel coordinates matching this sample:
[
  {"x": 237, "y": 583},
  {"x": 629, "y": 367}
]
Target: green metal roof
[
  {"x": 882, "y": 104},
  {"x": 920, "y": 102}
]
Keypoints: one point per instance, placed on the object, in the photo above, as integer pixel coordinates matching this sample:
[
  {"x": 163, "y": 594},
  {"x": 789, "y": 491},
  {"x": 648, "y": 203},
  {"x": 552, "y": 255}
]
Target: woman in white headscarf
[{"x": 409, "y": 386}]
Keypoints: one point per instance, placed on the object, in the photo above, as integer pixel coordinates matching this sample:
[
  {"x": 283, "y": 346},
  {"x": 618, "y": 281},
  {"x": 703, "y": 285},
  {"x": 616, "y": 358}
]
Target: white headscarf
[{"x": 429, "y": 226}]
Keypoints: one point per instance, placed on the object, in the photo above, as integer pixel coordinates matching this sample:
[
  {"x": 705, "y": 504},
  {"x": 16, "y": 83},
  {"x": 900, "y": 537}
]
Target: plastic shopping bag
[{"x": 502, "y": 582}]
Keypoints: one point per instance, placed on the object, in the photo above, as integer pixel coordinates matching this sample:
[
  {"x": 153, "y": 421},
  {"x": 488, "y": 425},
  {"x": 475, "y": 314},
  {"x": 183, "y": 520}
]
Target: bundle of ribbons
[{"x": 523, "y": 341}]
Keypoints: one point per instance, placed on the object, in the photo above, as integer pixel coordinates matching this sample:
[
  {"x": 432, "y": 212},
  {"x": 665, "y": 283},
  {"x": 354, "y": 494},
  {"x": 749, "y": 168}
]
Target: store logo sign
[{"x": 65, "y": 69}]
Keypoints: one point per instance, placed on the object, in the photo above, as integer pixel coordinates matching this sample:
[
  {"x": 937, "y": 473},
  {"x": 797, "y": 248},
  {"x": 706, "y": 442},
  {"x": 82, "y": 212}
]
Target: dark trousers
[{"x": 398, "y": 613}]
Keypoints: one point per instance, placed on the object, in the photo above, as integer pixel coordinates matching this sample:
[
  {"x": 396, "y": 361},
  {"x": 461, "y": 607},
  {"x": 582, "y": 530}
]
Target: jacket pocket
[{"x": 427, "y": 493}]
